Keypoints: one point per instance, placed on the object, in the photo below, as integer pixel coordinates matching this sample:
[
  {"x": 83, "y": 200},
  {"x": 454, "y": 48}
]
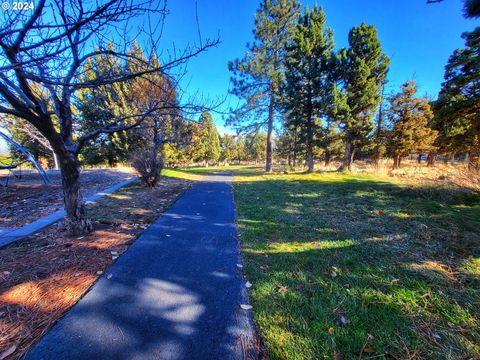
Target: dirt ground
[
  {"x": 27, "y": 198},
  {"x": 44, "y": 275}
]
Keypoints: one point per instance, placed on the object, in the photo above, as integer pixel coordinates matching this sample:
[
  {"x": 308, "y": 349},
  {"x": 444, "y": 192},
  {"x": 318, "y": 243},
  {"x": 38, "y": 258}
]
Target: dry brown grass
[
  {"x": 44, "y": 275},
  {"x": 444, "y": 174}
]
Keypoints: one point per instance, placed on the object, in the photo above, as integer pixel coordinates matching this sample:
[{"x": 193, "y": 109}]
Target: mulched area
[
  {"x": 44, "y": 275},
  {"x": 27, "y": 198}
]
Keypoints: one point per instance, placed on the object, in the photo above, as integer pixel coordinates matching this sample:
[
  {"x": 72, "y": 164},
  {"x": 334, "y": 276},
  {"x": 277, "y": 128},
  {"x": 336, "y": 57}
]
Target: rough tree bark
[
  {"x": 76, "y": 222},
  {"x": 396, "y": 161},
  {"x": 378, "y": 134},
  {"x": 349, "y": 156},
  {"x": 294, "y": 150},
  {"x": 271, "y": 115},
  {"x": 309, "y": 115},
  {"x": 327, "y": 157},
  {"x": 474, "y": 153}
]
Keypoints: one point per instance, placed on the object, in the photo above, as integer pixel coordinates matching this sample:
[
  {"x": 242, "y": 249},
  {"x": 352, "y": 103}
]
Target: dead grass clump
[{"x": 450, "y": 174}]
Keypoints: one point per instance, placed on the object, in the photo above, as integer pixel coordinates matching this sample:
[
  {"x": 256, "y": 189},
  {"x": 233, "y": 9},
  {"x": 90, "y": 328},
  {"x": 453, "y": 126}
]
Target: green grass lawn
[
  {"x": 198, "y": 172},
  {"x": 357, "y": 267},
  {"x": 5, "y": 159}
]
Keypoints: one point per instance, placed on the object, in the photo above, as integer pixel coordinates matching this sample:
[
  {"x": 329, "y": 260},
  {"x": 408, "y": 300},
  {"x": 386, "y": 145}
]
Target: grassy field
[
  {"x": 5, "y": 159},
  {"x": 348, "y": 267}
]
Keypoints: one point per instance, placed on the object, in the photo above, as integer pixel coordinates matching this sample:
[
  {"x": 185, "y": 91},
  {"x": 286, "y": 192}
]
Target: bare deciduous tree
[
  {"x": 31, "y": 132},
  {"x": 47, "y": 48}
]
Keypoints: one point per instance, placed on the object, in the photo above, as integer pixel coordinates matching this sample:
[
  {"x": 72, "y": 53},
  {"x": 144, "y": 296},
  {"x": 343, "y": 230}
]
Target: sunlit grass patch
[
  {"x": 199, "y": 172},
  {"x": 342, "y": 263}
]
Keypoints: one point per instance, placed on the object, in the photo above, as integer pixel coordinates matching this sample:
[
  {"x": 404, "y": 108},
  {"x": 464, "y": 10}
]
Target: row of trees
[
  {"x": 60, "y": 75},
  {"x": 84, "y": 99},
  {"x": 328, "y": 99},
  {"x": 222, "y": 149},
  {"x": 165, "y": 137}
]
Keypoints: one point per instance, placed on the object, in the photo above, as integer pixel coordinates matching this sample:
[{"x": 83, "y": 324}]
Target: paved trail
[{"x": 174, "y": 294}]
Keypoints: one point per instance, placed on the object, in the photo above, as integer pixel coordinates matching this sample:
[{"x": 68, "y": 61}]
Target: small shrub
[{"x": 149, "y": 164}]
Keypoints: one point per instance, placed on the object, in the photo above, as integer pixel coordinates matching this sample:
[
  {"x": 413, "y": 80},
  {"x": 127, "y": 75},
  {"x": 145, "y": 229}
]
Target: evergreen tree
[
  {"x": 240, "y": 149},
  {"x": 308, "y": 77},
  {"x": 102, "y": 104},
  {"x": 98, "y": 106},
  {"x": 458, "y": 106},
  {"x": 380, "y": 138},
  {"x": 330, "y": 141},
  {"x": 471, "y": 8},
  {"x": 410, "y": 117},
  {"x": 257, "y": 78},
  {"x": 288, "y": 147},
  {"x": 255, "y": 146},
  {"x": 209, "y": 139},
  {"x": 363, "y": 69},
  {"x": 228, "y": 148}
]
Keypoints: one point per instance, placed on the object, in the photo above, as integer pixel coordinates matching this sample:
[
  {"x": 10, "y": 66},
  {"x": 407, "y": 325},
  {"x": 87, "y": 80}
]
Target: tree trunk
[
  {"x": 419, "y": 158},
  {"x": 271, "y": 110},
  {"x": 474, "y": 160},
  {"x": 396, "y": 161},
  {"x": 310, "y": 164},
  {"x": 474, "y": 155},
  {"x": 55, "y": 160},
  {"x": 430, "y": 159},
  {"x": 349, "y": 154},
  {"x": 295, "y": 149},
  {"x": 309, "y": 115},
  {"x": 327, "y": 157},
  {"x": 378, "y": 133},
  {"x": 77, "y": 222}
]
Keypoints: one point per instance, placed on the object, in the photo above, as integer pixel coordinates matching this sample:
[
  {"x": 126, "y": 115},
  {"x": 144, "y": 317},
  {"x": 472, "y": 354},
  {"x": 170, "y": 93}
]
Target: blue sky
[{"x": 418, "y": 37}]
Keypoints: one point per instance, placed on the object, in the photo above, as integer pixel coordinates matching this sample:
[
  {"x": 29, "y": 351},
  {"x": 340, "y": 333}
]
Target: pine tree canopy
[
  {"x": 364, "y": 68},
  {"x": 261, "y": 71},
  {"x": 457, "y": 109},
  {"x": 308, "y": 76},
  {"x": 410, "y": 117}
]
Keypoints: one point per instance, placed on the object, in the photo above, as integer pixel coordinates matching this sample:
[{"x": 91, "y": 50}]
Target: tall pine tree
[
  {"x": 308, "y": 77},
  {"x": 209, "y": 139},
  {"x": 257, "y": 77},
  {"x": 363, "y": 69},
  {"x": 410, "y": 117},
  {"x": 457, "y": 110}
]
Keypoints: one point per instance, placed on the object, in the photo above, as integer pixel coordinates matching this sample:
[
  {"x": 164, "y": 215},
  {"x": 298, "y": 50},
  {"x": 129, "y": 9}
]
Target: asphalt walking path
[{"x": 175, "y": 293}]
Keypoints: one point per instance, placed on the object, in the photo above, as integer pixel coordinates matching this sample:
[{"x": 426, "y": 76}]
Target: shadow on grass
[
  {"x": 243, "y": 170},
  {"x": 391, "y": 260}
]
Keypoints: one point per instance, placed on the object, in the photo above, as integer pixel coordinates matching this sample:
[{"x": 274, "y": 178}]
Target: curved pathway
[{"x": 174, "y": 294}]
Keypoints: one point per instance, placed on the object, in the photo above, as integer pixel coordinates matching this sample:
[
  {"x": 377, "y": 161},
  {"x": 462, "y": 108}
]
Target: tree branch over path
[{"x": 43, "y": 55}]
